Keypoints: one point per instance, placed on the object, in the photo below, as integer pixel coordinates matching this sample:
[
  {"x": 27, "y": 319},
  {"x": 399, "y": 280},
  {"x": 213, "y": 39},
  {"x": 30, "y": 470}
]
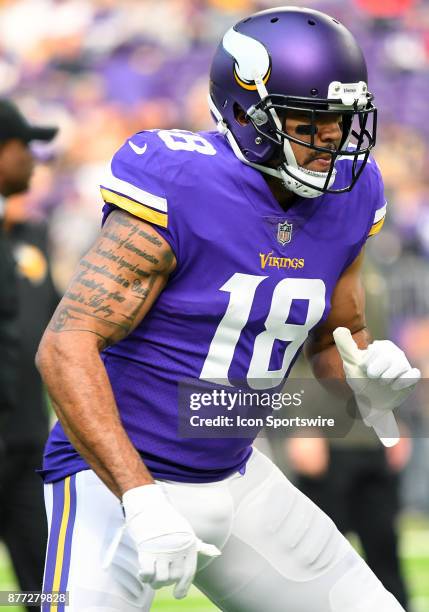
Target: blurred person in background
[
  {"x": 8, "y": 331},
  {"x": 25, "y": 427}
]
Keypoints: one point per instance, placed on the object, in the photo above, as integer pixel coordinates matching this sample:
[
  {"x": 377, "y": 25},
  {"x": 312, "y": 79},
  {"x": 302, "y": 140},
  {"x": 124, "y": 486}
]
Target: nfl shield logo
[{"x": 284, "y": 232}]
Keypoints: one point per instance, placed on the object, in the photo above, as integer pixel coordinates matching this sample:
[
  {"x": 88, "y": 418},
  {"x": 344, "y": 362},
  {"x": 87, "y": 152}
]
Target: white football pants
[{"x": 280, "y": 552}]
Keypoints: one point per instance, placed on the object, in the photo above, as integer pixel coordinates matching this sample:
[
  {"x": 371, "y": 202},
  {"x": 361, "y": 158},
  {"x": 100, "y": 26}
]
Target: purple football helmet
[{"x": 292, "y": 59}]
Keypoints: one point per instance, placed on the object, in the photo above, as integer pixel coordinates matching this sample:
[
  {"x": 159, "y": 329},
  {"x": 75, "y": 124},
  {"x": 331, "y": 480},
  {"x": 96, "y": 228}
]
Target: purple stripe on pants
[{"x": 68, "y": 541}]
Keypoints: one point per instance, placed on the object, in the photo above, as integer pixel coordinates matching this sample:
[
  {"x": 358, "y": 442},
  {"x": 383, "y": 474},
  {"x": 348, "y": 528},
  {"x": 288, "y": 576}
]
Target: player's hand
[
  {"x": 166, "y": 543},
  {"x": 381, "y": 378}
]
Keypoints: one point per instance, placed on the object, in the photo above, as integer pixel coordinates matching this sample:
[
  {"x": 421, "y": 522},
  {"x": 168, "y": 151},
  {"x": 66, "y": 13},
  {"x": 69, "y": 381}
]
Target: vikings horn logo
[{"x": 249, "y": 55}]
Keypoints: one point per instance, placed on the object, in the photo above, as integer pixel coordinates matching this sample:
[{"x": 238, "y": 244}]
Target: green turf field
[{"x": 414, "y": 553}]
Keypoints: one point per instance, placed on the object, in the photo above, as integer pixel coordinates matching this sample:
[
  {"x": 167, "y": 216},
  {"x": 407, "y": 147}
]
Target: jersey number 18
[{"x": 242, "y": 289}]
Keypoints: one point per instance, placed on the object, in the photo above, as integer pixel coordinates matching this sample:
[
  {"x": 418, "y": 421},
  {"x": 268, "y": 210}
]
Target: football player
[{"x": 221, "y": 253}]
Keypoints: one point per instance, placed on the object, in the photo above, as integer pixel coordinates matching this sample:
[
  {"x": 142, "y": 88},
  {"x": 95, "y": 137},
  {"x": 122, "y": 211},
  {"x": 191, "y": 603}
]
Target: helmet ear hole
[{"x": 240, "y": 115}]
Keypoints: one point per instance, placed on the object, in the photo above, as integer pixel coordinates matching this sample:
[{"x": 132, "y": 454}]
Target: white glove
[
  {"x": 381, "y": 378},
  {"x": 166, "y": 544}
]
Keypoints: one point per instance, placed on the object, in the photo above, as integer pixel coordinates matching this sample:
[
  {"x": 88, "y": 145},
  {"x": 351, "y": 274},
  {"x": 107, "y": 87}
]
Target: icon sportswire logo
[{"x": 136, "y": 149}]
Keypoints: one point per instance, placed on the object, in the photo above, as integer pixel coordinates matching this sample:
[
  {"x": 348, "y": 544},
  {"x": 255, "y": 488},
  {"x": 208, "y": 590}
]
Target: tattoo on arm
[{"x": 116, "y": 281}]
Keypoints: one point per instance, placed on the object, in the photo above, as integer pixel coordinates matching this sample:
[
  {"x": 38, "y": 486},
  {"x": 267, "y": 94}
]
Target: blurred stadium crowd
[{"x": 103, "y": 70}]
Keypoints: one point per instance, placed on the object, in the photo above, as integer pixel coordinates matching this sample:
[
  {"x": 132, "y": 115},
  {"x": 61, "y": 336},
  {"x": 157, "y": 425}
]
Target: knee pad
[
  {"x": 309, "y": 537},
  {"x": 301, "y": 540}
]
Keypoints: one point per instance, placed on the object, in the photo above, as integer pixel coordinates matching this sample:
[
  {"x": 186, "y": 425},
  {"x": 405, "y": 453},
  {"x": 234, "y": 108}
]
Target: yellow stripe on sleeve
[
  {"x": 61, "y": 541},
  {"x": 135, "y": 208},
  {"x": 376, "y": 227}
]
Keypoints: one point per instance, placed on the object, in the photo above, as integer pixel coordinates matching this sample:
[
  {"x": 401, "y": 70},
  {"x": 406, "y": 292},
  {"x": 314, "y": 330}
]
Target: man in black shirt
[{"x": 26, "y": 303}]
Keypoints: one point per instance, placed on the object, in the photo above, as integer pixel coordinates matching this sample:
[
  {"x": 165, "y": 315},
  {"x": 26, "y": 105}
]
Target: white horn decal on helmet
[{"x": 250, "y": 55}]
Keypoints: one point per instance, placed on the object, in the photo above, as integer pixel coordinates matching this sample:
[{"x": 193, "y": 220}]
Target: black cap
[{"x": 14, "y": 125}]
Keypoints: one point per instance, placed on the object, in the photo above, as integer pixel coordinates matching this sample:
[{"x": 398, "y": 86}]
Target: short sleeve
[
  {"x": 379, "y": 199},
  {"x": 134, "y": 180}
]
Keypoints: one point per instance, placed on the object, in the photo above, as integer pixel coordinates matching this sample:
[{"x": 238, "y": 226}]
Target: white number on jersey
[
  {"x": 242, "y": 288},
  {"x": 178, "y": 140}
]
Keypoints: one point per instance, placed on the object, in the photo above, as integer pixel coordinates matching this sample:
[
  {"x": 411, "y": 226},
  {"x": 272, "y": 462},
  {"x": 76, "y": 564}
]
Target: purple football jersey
[{"x": 251, "y": 282}]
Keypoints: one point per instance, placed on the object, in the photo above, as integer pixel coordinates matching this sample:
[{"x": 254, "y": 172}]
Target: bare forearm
[{"x": 77, "y": 382}]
